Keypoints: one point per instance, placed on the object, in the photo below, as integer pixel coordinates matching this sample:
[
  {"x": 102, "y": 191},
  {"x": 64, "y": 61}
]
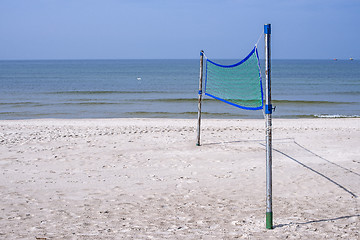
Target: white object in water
[{"x": 139, "y": 78}]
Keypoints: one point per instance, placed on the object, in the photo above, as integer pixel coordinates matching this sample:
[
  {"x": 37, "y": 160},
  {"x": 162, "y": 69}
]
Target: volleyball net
[{"x": 238, "y": 84}]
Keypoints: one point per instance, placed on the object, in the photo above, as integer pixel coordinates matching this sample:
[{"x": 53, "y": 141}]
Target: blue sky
[{"x": 166, "y": 29}]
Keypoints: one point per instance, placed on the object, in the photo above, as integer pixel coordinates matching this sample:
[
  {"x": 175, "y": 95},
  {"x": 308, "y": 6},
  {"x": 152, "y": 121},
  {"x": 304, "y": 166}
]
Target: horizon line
[{"x": 115, "y": 59}]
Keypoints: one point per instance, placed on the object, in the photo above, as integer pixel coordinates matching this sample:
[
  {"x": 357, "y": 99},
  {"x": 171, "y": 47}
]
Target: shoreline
[
  {"x": 205, "y": 115},
  {"x": 186, "y": 119},
  {"x": 145, "y": 178}
]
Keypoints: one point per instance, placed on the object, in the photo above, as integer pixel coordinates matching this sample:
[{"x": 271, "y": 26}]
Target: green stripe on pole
[{"x": 269, "y": 220}]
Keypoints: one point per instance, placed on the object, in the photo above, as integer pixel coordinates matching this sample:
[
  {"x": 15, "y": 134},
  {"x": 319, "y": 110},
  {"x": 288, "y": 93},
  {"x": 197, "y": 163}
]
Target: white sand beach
[{"x": 147, "y": 179}]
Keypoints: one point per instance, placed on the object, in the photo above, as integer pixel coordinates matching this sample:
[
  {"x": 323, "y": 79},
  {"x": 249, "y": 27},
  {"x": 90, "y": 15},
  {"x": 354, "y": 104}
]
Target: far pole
[
  {"x": 200, "y": 97},
  {"x": 268, "y": 112}
]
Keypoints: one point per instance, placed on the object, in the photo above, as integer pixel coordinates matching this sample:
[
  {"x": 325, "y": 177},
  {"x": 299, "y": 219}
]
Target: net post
[
  {"x": 268, "y": 118},
  {"x": 200, "y": 97}
]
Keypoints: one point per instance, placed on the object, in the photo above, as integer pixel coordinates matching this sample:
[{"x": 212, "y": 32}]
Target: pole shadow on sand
[
  {"x": 299, "y": 162},
  {"x": 309, "y": 151},
  {"x": 322, "y": 175},
  {"x": 316, "y": 221},
  {"x": 317, "y": 172},
  {"x": 309, "y": 168}
]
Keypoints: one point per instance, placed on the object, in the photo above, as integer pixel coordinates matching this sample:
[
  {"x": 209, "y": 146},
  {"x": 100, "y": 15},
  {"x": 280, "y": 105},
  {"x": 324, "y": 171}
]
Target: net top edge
[{"x": 236, "y": 64}]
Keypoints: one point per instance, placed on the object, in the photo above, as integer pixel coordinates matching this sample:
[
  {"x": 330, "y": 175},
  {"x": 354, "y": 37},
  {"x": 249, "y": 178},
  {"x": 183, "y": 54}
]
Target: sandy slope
[{"x": 146, "y": 179}]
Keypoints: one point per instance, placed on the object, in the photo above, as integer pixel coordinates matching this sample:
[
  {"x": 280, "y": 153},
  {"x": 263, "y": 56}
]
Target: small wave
[
  {"x": 103, "y": 92},
  {"x": 18, "y": 103},
  {"x": 346, "y": 93},
  {"x": 188, "y": 100},
  {"x": 151, "y": 113},
  {"x": 91, "y": 103},
  {"x": 336, "y": 116},
  {"x": 308, "y": 102},
  {"x": 171, "y": 100},
  {"x": 8, "y": 113},
  {"x": 210, "y": 114},
  {"x": 321, "y": 116},
  {"x": 280, "y": 102}
]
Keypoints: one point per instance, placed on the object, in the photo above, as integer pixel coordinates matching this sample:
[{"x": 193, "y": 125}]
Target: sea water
[{"x": 168, "y": 89}]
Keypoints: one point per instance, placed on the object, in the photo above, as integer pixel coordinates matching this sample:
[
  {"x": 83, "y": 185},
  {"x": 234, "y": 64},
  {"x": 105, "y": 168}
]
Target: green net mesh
[{"x": 239, "y": 84}]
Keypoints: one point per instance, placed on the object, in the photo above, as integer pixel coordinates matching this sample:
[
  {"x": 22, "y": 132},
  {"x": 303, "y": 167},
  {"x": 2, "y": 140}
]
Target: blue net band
[{"x": 233, "y": 104}]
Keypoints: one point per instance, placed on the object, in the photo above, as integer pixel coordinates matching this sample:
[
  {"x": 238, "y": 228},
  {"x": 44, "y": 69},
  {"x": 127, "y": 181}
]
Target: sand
[{"x": 146, "y": 179}]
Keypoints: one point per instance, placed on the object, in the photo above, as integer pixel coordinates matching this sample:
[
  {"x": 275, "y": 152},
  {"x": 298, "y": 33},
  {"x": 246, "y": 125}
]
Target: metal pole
[
  {"x": 268, "y": 112},
  {"x": 200, "y": 97}
]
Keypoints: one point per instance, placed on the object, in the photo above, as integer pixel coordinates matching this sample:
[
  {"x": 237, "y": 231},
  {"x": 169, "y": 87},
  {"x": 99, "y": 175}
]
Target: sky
[{"x": 177, "y": 29}]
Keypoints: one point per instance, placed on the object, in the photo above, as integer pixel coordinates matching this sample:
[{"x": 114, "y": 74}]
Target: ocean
[{"x": 168, "y": 89}]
